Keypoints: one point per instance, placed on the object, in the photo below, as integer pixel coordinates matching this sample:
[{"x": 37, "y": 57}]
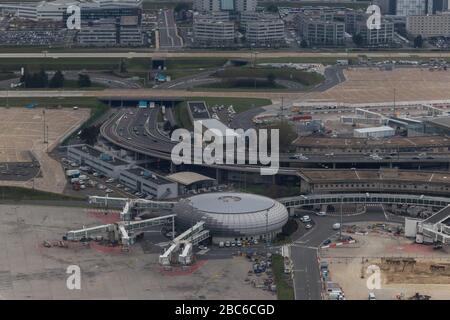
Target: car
[
  {"x": 109, "y": 191},
  {"x": 110, "y": 180},
  {"x": 305, "y": 219},
  {"x": 119, "y": 186},
  {"x": 227, "y": 243},
  {"x": 95, "y": 174},
  {"x": 321, "y": 213},
  {"x": 308, "y": 226},
  {"x": 101, "y": 187},
  {"x": 372, "y": 296},
  {"x": 233, "y": 244},
  {"x": 126, "y": 189},
  {"x": 239, "y": 243},
  {"x": 326, "y": 242},
  {"x": 430, "y": 158},
  {"x": 336, "y": 226}
]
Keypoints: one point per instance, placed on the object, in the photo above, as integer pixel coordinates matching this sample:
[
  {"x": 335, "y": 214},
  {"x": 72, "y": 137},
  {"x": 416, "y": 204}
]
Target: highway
[{"x": 148, "y": 139}]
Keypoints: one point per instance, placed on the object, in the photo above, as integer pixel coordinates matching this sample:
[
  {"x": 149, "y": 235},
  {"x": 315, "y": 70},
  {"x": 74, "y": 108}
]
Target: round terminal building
[{"x": 233, "y": 216}]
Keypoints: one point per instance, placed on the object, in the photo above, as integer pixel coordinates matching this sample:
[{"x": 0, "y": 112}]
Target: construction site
[{"x": 407, "y": 270}]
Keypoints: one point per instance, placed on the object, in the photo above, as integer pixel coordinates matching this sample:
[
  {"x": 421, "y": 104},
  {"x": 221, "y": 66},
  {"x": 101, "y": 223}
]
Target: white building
[
  {"x": 374, "y": 132},
  {"x": 214, "y": 32},
  {"x": 265, "y": 32}
]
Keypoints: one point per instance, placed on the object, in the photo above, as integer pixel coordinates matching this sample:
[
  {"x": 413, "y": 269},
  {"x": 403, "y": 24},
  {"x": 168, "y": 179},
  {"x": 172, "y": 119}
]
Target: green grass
[
  {"x": 182, "y": 116},
  {"x": 239, "y": 104},
  {"x": 284, "y": 291},
  {"x": 181, "y": 67},
  {"x": 20, "y": 194},
  {"x": 305, "y": 78}
]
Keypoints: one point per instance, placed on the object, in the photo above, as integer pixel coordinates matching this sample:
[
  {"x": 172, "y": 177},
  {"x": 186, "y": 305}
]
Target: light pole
[{"x": 340, "y": 226}]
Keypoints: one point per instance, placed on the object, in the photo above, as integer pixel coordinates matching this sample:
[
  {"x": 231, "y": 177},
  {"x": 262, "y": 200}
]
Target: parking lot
[
  {"x": 375, "y": 85},
  {"x": 22, "y": 140}
]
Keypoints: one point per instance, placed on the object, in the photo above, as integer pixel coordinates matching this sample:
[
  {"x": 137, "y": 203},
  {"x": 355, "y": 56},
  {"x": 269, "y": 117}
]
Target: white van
[
  {"x": 221, "y": 244},
  {"x": 336, "y": 226}
]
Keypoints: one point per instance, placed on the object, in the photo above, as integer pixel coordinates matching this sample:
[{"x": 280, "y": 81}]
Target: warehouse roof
[
  {"x": 374, "y": 129},
  {"x": 187, "y": 178}
]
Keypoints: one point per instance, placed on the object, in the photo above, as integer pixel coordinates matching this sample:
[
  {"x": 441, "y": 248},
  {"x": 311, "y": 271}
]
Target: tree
[
  {"x": 358, "y": 39},
  {"x": 272, "y": 8},
  {"x": 304, "y": 44},
  {"x": 122, "y": 66},
  {"x": 418, "y": 41},
  {"x": 286, "y": 134},
  {"x": 182, "y": 6},
  {"x": 43, "y": 79},
  {"x": 271, "y": 78},
  {"x": 84, "y": 81},
  {"x": 167, "y": 126},
  {"x": 57, "y": 81},
  {"x": 89, "y": 134}
]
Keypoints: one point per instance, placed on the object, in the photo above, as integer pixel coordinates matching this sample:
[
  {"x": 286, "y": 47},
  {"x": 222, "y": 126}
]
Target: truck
[{"x": 73, "y": 173}]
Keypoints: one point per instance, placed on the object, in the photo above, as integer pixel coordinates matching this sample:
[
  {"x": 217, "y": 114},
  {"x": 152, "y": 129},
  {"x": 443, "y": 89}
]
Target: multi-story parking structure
[{"x": 380, "y": 181}]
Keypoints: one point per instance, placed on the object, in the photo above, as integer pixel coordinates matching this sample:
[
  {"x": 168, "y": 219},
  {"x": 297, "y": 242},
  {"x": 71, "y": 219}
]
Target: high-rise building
[
  {"x": 435, "y": 6},
  {"x": 437, "y": 25},
  {"x": 411, "y": 7}
]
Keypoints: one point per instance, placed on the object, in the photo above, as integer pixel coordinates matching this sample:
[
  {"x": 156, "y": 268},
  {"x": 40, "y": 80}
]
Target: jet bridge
[
  {"x": 125, "y": 231},
  {"x": 128, "y": 205},
  {"x": 192, "y": 236}
]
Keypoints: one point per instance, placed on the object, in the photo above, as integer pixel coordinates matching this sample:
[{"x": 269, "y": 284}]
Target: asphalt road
[
  {"x": 168, "y": 34},
  {"x": 304, "y": 251}
]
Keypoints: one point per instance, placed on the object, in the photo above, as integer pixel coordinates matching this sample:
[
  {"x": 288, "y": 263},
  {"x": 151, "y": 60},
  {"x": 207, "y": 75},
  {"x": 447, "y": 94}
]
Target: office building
[
  {"x": 214, "y": 32},
  {"x": 55, "y": 10},
  {"x": 376, "y": 37},
  {"x": 429, "y": 25},
  {"x": 265, "y": 32},
  {"x": 124, "y": 31},
  {"x": 411, "y": 7},
  {"x": 225, "y": 5},
  {"x": 320, "y": 31}
]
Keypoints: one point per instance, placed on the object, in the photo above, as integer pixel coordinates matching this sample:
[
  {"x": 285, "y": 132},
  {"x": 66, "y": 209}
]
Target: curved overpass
[{"x": 119, "y": 130}]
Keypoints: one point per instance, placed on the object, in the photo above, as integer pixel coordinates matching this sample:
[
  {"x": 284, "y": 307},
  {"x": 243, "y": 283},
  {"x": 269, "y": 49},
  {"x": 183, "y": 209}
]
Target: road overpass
[{"x": 242, "y": 54}]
